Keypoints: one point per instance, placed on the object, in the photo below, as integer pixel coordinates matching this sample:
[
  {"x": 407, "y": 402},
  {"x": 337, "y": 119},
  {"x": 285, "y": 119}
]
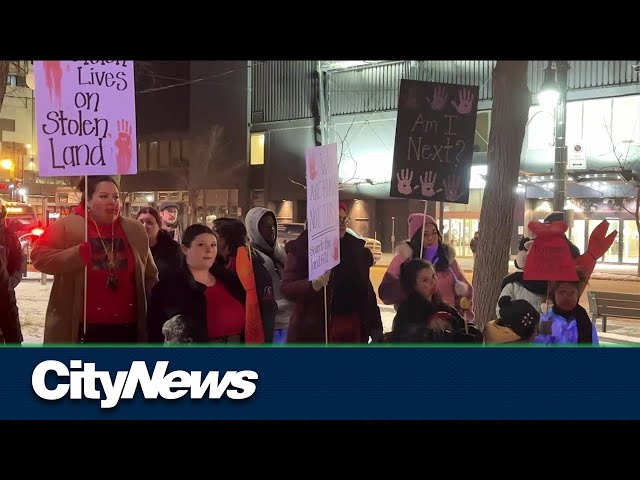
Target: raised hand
[
  {"x": 599, "y": 243},
  {"x": 404, "y": 181}
]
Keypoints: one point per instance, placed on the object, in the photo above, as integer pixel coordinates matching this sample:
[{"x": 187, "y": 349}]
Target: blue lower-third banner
[{"x": 367, "y": 383}]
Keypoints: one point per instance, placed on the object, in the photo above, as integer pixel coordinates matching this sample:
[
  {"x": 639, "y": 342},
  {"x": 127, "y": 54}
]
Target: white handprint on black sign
[
  {"x": 451, "y": 187},
  {"x": 427, "y": 183},
  {"x": 439, "y": 98},
  {"x": 465, "y": 104},
  {"x": 404, "y": 181}
]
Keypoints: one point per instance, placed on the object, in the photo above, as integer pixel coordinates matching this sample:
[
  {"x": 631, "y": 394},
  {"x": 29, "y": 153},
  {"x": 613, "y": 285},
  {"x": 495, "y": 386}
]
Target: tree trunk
[
  {"x": 511, "y": 101},
  {"x": 4, "y": 73},
  {"x": 638, "y": 224},
  {"x": 193, "y": 206}
]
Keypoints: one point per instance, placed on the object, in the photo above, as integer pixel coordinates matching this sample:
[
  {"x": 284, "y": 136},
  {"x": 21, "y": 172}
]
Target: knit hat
[
  {"x": 415, "y": 223},
  {"x": 519, "y": 315},
  {"x": 555, "y": 217}
]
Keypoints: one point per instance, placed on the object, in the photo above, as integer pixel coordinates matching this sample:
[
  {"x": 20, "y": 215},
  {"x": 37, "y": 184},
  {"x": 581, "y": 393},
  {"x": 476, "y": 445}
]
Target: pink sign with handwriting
[{"x": 85, "y": 117}]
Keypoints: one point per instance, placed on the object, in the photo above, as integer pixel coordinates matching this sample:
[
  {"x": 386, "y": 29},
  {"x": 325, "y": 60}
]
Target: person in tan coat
[{"x": 120, "y": 271}]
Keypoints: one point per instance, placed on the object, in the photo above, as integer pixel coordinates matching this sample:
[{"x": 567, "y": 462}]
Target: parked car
[
  {"x": 372, "y": 244},
  {"x": 291, "y": 231}
]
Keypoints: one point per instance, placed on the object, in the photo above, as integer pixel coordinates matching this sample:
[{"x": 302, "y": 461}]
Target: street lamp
[
  {"x": 7, "y": 164},
  {"x": 554, "y": 91}
]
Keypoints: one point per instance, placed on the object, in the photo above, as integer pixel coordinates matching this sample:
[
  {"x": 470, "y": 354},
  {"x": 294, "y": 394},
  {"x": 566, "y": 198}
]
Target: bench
[{"x": 609, "y": 304}]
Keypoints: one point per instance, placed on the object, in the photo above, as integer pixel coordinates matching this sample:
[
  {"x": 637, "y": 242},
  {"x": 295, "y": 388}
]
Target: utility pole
[{"x": 560, "y": 165}]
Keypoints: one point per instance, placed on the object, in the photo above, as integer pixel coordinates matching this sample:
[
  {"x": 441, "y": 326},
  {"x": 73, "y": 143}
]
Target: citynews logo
[{"x": 83, "y": 380}]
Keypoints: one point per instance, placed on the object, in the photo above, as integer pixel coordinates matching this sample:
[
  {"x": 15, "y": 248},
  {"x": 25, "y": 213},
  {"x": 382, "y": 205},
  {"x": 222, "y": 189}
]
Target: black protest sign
[{"x": 433, "y": 149}]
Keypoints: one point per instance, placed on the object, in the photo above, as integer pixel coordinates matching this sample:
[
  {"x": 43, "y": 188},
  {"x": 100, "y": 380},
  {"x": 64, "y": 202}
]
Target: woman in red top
[
  {"x": 120, "y": 271},
  {"x": 199, "y": 303}
]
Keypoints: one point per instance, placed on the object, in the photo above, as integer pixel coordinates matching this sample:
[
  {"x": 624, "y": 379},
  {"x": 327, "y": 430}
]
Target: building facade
[
  {"x": 299, "y": 104},
  {"x": 175, "y": 118},
  {"x": 177, "y": 105}
]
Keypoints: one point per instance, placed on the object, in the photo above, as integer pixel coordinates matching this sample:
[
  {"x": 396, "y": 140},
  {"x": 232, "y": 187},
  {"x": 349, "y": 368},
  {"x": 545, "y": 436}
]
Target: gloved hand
[
  {"x": 85, "y": 252},
  {"x": 322, "y": 281},
  {"x": 376, "y": 336},
  {"x": 597, "y": 246}
]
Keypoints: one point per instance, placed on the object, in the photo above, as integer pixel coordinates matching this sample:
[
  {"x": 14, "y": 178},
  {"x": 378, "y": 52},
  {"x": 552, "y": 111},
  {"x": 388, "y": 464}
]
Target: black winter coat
[
  {"x": 410, "y": 323},
  {"x": 10, "y": 330},
  {"x": 166, "y": 254},
  {"x": 178, "y": 293}
]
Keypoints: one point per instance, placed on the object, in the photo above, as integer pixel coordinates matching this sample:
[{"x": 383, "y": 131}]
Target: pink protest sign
[
  {"x": 85, "y": 117},
  {"x": 322, "y": 209}
]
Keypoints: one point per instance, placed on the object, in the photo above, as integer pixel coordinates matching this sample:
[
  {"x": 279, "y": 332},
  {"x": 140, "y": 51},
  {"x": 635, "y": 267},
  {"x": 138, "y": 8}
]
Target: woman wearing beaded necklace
[{"x": 120, "y": 271}]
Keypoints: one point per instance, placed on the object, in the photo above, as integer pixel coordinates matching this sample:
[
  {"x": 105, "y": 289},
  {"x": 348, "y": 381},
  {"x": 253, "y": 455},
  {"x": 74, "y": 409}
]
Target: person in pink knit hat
[{"x": 452, "y": 284}]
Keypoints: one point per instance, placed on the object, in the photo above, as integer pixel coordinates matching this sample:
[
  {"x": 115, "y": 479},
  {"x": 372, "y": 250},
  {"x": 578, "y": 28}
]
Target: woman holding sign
[
  {"x": 120, "y": 271},
  {"x": 453, "y": 287}
]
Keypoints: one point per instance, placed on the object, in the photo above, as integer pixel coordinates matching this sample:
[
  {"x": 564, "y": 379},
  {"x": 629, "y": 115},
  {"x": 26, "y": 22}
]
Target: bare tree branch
[
  {"x": 623, "y": 164},
  {"x": 297, "y": 183},
  {"x": 206, "y": 151}
]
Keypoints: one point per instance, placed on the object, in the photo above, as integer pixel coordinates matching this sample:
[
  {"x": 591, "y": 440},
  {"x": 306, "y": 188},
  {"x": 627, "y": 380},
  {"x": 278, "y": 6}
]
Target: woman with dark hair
[
  {"x": 423, "y": 316},
  {"x": 166, "y": 252},
  {"x": 200, "y": 302},
  {"x": 452, "y": 284},
  {"x": 120, "y": 270},
  {"x": 233, "y": 241}
]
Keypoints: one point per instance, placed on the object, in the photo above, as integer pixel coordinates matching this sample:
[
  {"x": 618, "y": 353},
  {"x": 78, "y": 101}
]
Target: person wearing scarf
[
  {"x": 566, "y": 322},
  {"x": 452, "y": 284},
  {"x": 120, "y": 270}
]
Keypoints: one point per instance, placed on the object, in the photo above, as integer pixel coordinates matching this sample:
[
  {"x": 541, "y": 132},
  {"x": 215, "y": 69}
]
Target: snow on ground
[{"x": 32, "y": 298}]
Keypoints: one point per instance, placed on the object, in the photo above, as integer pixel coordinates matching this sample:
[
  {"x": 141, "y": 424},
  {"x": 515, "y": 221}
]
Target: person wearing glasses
[
  {"x": 120, "y": 271},
  {"x": 353, "y": 315}
]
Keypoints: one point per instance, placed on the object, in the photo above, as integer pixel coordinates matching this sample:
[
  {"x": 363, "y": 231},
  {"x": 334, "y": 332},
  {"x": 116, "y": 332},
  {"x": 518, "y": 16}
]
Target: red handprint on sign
[
  {"x": 53, "y": 79},
  {"x": 312, "y": 168},
  {"x": 465, "y": 103},
  {"x": 123, "y": 144}
]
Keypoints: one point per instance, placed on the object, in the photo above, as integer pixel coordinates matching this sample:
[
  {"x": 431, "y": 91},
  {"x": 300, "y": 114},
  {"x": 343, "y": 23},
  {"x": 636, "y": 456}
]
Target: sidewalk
[{"x": 36, "y": 277}]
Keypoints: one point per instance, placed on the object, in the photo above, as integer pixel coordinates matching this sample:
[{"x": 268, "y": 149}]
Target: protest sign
[
  {"x": 433, "y": 149},
  {"x": 322, "y": 209},
  {"x": 550, "y": 258},
  {"x": 86, "y": 117}
]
